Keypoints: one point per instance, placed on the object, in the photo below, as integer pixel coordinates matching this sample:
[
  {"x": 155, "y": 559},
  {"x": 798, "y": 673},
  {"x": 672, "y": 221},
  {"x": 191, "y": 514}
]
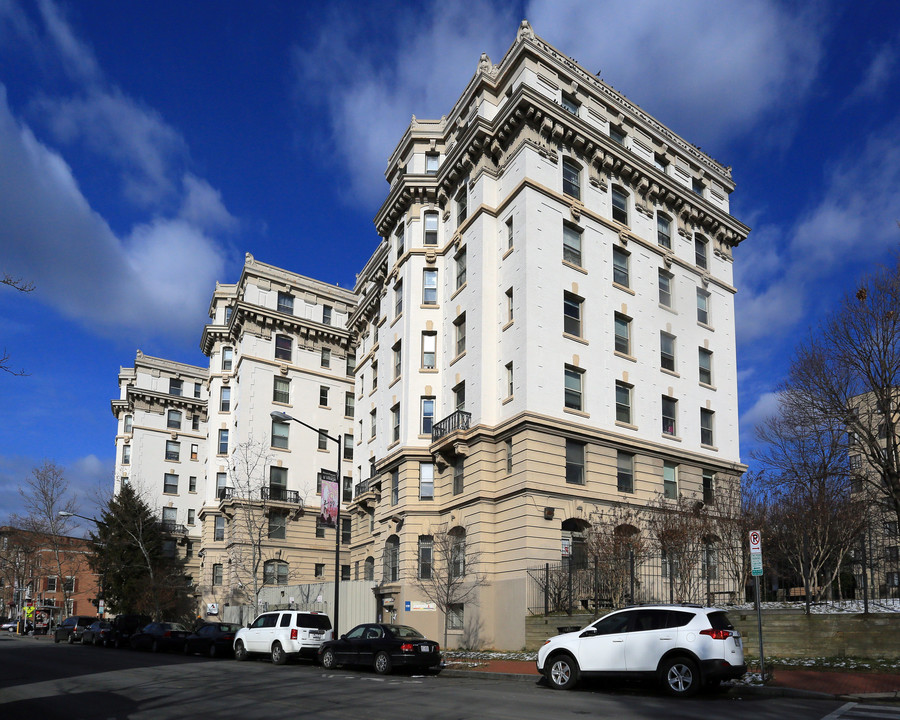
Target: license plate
[{"x": 424, "y": 648}]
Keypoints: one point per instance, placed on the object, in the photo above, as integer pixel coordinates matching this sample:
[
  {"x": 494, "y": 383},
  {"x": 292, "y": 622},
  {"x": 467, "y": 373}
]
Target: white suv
[
  {"x": 682, "y": 646},
  {"x": 283, "y": 634}
]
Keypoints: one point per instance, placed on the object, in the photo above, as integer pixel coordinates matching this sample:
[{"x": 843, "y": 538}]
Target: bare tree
[
  {"x": 681, "y": 530},
  {"x": 20, "y": 565},
  {"x": 847, "y": 373},
  {"x": 44, "y": 496},
  {"x": 617, "y": 549},
  {"x": 452, "y": 579},
  {"x": 21, "y": 286},
  {"x": 814, "y": 516}
]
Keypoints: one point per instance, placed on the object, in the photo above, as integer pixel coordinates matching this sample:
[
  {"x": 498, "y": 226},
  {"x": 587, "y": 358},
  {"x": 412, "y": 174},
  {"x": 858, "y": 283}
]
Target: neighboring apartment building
[
  {"x": 546, "y": 331},
  {"x": 30, "y": 576}
]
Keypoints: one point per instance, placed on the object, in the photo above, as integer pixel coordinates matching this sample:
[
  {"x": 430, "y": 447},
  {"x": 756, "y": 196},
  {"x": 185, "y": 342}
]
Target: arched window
[
  {"x": 369, "y": 568},
  {"x": 573, "y": 538},
  {"x": 709, "y": 562},
  {"x": 571, "y": 178},
  {"x": 392, "y": 559},
  {"x": 457, "y": 552},
  {"x": 275, "y": 572}
]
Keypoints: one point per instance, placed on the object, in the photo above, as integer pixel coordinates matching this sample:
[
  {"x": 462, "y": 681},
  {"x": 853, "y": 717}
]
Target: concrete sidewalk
[{"x": 843, "y": 685}]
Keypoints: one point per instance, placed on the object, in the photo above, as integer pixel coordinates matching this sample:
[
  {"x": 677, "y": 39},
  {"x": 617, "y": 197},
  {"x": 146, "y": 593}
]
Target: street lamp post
[{"x": 284, "y": 417}]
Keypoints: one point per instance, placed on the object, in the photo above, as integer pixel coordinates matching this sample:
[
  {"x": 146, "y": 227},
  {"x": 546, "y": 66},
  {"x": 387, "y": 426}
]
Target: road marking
[{"x": 858, "y": 711}]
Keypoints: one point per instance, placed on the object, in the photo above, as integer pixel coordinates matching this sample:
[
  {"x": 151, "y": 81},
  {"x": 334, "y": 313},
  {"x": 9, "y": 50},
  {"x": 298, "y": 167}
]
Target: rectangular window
[
  {"x": 399, "y": 241},
  {"x": 220, "y": 484},
  {"x": 195, "y": 451},
  {"x": 509, "y": 305},
  {"x": 175, "y": 387},
  {"x": 398, "y": 299},
  {"x": 348, "y": 446},
  {"x": 572, "y": 314},
  {"x": 326, "y": 314},
  {"x": 373, "y": 416},
  {"x": 574, "y": 388},
  {"x": 320, "y": 528},
  {"x": 509, "y": 455},
  {"x": 458, "y": 476},
  {"x": 509, "y": 379},
  {"x": 281, "y": 392},
  {"x": 697, "y": 186},
  {"x": 621, "y": 275},
  {"x": 219, "y": 528},
  {"x": 429, "y": 287},
  {"x": 346, "y": 531},
  {"x": 669, "y": 415},
  {"x": 571, "y": 178},
  {"x": 431, "y": 228},
  {"x": 617, "y": 134},
  {"x": 192, "y": 483},
  {"x": 286, "y": 303},
  {"x": 426, "y": 549},
  {"x": 705, "y": 362},
  {"x": 670, "y": 481},
  {"x": 395, "y": 487},
  {"x": 398, "y": 358},
  {"x": 460, "y": 325},
  {"x": 195, "y": 421},
  {"x": 431, "y": 163},
  {"x": 326, "y": 357},
  {"x": 574, "y": 462},
  {"x": 277, "y": 526},
  {"x": 173, "y": 450},
  {"x": 350, "y": 364},
  {"x": 426, "y": 481},
  {"x": 323, "y": 439},
  {"x": 427, "y": 415},
  {"x": 509, "y": 234},
  {"x": 128, "y": 424},
  {"x": 625, "y": 472},
  {"x": 459, "y": 396},
  {"x": 347, "y": 490},
  {"x": 702, "y": 306},
  {"x": 52, "y": 583},
  {"x": 461, "y": 268},
  {"x": 700, "y": 257},
  {"x": 572, "y": 244},
  {"x": 664, "y": 231},
  {"x": 570, "y": 103},
  {"x": 126, "y": 454},
  {"x": 217, "y": 574},
  {"x": 280, "y": 434},
  {"x": 227, "y": 359},
  {"x": 455, "y": 616},
  {"x": 225, "y": 399},
  {"x": 623, "y": 402},
  {"x": 323, "y": 396},
  {"x": 223, "y": 442},
  {"x": 349, "y": 404},
  {"x": 620, "y": 205},
  {"x": 665, "y": 289},
  {"x": 197, "y": 390},
  {"x": 707, "y": 417},
  {"x": 429, "y": 350},
  {"x": 667, "y": 351},
  {"x": 374, "y": 374},
  {"x": 170, "y": 484},
  {"x": 709, "y": 487},
  {"x": 623, "y": 334},
  {"x": 283, "y": 347},
  {"x": 173, "y": 420},
  {"x": 395, "y": 423},
  {"x": 319, "y": 570},
  {"x": 462, "y": 206}
]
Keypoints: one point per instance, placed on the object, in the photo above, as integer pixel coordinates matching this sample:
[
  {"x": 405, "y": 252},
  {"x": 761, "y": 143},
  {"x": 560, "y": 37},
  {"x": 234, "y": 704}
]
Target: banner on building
[{"x": 330, "y": 498}]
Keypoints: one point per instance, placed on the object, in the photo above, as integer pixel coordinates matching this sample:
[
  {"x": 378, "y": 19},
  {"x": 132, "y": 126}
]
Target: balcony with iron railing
[
  {"x": 458, "y": 420},
  {"x": 263, "y": 494},
  {"x": 172, "y": 528}
]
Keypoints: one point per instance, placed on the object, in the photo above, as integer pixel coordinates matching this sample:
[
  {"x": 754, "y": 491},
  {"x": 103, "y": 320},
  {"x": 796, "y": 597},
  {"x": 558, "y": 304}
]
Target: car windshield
[
  {"x": 404, "y": 631},
  {"x": 720, "y": 621},
  {"x": 225, "y": 628}
]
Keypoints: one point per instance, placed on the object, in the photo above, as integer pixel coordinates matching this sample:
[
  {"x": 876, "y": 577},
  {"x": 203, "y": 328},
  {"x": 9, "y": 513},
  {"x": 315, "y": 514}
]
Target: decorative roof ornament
[
  {"x": 485, "y": 65},
  {"x": 525, "y": 31}
]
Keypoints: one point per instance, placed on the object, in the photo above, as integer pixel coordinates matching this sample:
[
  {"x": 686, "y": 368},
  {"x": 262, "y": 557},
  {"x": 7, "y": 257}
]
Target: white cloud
[
  {"x": 157, "y": 280},
  {"x": 203, "y": 206},
  {"x": 371, "y": 95},
  {"x": 880, "y": 75},
  {"x": 766, "y": 406},
  {"x": 708, "y": 69},
  {"x": 75, "y": 57}
]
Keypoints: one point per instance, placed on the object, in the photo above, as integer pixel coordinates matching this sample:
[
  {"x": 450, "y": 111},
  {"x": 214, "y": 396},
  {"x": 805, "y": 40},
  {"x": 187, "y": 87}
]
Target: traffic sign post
[{"x": 756, "y": 566}]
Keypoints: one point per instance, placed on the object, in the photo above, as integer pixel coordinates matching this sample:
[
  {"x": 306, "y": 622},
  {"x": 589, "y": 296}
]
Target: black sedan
[
  {"x": 384, "y": 647},
  {"x": 97, "y": 634},
  {"x": 160, "y": 636},
  {"x": 214, "y": 639}
]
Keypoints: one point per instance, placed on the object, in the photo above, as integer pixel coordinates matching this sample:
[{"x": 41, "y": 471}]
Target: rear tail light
[
  {"x": 167, "y": 633},
  {"x": 406, "y": 647},
  {"x": 293, "y": 633},
  {"x": 717, "y": 634}
]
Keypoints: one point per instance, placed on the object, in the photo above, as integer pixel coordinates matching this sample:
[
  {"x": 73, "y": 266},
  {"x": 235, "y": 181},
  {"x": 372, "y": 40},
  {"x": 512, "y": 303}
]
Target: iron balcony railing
[
  {"x": 459, "y": 420},
  {"x": 170, "y": 526},
  {"x": 279, "y": 494},
  {"x": 365, "y": 486},
  {"x": 225, "y": 493}
]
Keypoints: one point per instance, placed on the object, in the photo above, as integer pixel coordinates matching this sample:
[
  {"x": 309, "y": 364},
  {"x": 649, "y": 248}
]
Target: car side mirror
[
  {"x": 248, "y": 626},
  {"x": 344, "y": 636},
  {"x": 590, "y": 632}
]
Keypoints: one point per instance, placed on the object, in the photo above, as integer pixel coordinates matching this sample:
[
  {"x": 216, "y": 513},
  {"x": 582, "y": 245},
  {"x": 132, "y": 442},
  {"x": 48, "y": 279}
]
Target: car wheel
[
  {"x": 563, "y": 672},
  {"x": 329, "y": 661},
  {"x": 680, "y": 677},
  {"x": 279, "y": 656},
  {"x": 383, "y": 664},
  {"x": 240, "y": 652},
  {"x": 154, "y": 647},
  {"x": 213, "y": 653}
]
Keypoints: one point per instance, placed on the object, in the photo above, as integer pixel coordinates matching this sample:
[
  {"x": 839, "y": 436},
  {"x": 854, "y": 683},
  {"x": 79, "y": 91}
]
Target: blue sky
[{"x": 146, "y": 146}]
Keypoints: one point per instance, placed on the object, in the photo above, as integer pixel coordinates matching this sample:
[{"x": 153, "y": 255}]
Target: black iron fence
[{"x": 459, "y": 420}]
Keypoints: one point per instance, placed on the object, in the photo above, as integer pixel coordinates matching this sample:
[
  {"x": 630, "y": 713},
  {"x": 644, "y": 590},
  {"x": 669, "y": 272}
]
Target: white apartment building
[{"x": 545, "y": 332}]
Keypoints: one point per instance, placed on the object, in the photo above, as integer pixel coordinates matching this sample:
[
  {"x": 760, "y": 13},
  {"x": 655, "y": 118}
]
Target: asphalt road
[{"x": 39, "y": 679}]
